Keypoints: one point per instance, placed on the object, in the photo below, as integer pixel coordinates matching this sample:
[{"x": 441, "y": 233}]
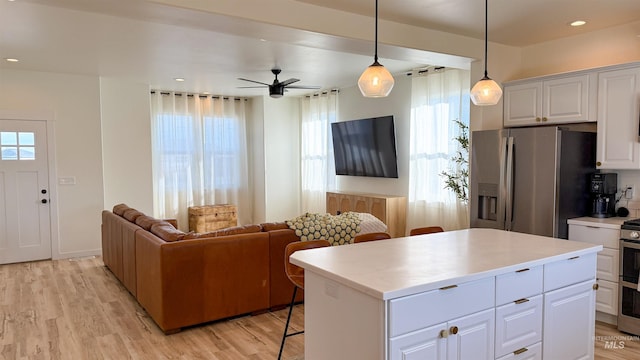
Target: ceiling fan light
[
  {"x": 376, "y": 81},
  {"x": 486, "y": 92},
  {"x": 276, "y": 91}
]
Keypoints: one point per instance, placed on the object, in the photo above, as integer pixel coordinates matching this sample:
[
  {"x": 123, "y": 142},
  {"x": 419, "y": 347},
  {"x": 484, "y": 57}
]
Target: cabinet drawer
[
  {"x": 569, "y": 271},
  {"x": 418, "y": 311},
  {"x": 518, "y": 284},
  {"x": 609, "y": 238},
  {"x": 533, "y": 352},
  {"x": 607, "y": 297},
  {"x": 608, "y": 260},
  {"x": 518, "y": 324}
]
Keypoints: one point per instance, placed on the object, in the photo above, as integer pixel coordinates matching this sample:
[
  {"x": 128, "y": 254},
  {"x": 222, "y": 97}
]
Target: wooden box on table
[{"x": 212, "y": 217}]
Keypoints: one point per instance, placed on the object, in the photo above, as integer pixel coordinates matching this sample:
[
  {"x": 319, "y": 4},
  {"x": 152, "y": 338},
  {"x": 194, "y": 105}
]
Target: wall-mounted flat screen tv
[{"x": 365, "y": 147}]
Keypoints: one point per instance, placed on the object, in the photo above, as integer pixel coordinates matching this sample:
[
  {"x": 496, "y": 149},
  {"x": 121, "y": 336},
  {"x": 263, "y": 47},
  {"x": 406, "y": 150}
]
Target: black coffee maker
[{"x": 603, "y": 194}]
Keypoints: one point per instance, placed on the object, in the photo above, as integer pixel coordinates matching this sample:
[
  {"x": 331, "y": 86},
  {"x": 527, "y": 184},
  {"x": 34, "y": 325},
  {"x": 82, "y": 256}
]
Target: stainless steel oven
[{"x": 629, "y": 299}]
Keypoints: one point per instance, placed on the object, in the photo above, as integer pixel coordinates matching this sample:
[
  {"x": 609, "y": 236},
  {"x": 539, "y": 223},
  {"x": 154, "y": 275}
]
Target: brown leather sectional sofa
[{"x": 183, "y": 279}]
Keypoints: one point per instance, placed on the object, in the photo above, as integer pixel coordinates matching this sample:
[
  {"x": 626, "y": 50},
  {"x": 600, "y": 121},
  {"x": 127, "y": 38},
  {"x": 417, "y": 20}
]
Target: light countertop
[
  {"x": 387, "y": 269},
  {"x": 609, "y": 223}
]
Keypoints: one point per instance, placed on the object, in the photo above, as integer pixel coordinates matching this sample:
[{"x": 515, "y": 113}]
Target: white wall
[
  {"x": 126, "y": 144},
  {"x": 355, "y": 106},
  {"x": 75, "y": 102},
  {"x": 281, "y": 158}
]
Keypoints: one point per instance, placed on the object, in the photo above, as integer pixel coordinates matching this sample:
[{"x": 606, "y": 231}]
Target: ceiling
[{"x": 154, "y": 42}]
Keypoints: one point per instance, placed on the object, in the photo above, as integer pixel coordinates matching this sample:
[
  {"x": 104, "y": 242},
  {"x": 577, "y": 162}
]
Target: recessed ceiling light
[
  {"x": 11, "y": 60},
  {"x": 179, "y": 79},
  {"x": 578, "y": 23}
]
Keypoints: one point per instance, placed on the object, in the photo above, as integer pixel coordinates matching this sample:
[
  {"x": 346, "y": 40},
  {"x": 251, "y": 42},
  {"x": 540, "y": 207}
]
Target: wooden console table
[{"x": 390, "y": 209}]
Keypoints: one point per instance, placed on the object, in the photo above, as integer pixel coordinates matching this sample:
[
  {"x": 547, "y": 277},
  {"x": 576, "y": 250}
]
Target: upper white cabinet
[
  {"x": 552, "y": 100},
  {"x": 618, "y": 118}
]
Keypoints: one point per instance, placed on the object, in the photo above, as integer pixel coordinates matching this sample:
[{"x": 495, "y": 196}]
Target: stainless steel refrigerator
[{"x": 530, "y": 180}]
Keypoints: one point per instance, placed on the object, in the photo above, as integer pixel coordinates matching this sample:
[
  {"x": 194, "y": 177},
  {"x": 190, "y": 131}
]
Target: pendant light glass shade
[
  {"x": 375, "y": 81},
  {"x": 486, "y": 91}
]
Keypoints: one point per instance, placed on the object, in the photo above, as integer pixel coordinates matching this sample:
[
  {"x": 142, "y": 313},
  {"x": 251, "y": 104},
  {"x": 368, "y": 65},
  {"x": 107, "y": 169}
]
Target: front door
[{"x": 25, "y": 233}]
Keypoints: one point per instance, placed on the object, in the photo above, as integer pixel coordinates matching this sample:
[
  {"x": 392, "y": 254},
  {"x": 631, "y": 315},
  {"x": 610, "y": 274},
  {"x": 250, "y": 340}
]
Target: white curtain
[
  {"x": 437, "y": 100},
  {"x": 317, "y": 166},
  {"x": 199, "y": 155}
]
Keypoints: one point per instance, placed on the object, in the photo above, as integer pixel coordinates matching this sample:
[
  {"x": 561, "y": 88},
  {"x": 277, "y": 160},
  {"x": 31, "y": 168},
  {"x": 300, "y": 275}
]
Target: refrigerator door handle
[
  {"x": 509, "y": 185},
  {"x": 502, "y": 196}
]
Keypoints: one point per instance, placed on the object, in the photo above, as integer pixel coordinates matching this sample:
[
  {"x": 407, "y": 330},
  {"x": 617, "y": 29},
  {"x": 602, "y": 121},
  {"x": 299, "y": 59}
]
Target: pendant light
[
  {"x": 486, "y": 91},
  {"x": 375, "y": 81}
]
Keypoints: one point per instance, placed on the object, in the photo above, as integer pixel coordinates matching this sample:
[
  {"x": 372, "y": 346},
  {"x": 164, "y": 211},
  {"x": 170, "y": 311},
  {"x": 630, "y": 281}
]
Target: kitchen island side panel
[{"x": 341, "y": 323}]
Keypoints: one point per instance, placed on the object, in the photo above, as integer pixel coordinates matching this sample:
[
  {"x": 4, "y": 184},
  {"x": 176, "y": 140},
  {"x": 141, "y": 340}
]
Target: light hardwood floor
[{"x": 76, "y": 309}]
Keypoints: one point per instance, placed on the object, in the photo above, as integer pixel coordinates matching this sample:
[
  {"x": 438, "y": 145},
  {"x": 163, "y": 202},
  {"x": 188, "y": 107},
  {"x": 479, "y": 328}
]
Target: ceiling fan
[{"x": 277, "y": 88}]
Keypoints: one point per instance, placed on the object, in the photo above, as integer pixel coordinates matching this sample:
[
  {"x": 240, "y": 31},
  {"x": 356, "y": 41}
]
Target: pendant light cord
[
  {"x": 375, "y": 56},
  {"x": 486, "y": 32}
]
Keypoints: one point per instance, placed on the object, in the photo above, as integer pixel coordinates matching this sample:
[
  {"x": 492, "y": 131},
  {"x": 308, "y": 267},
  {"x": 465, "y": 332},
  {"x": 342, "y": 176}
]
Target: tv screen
[{"x": 365, "y": 147}]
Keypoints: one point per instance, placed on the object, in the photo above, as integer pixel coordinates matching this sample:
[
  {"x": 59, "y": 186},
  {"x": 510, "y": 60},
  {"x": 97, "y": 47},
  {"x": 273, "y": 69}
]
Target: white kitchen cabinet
[
  {"x": 533, "y": 352},
  {"x": 518, "y": 325},
  {"x": 427, "y": 343},
  {"x": 569, "y": 315},
  {"x": 551, "y": 100},
  {"x": 605, "y": 232},
  {"x": 469, "y": 337},
  {"x": 618, "y": 117}
]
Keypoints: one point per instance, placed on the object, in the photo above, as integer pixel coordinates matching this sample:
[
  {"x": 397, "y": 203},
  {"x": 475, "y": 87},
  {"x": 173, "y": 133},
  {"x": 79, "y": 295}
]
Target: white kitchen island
[{"x": 470, "y": 294}]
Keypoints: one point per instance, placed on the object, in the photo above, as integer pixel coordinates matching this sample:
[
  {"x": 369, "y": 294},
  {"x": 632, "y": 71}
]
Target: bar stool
[
  {"x": 425, "y": 230},
  {"x": 371, "y": 237},
  {"x": 296, "y": 275}
]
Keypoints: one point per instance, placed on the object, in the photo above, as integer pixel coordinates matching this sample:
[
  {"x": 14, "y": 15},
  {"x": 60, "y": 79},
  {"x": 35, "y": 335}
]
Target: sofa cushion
[
  {"x": 145, "y": 221},
  {"x": 274, "y": 226},
  {"x": 245, "y": 229},
  {"x": 166, "y": 231},
  {"x": 132, "y": 215},
  {"x": 120, "y": 209}
]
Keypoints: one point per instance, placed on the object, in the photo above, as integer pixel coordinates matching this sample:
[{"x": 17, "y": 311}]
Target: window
[
  {"x": 438, "y": 101},
  {"x": 199, "y": 155},
  {"x": 17, "y": 145}
]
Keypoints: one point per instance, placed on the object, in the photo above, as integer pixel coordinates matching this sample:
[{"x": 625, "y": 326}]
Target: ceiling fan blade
[
  {"x": 290, "y": 81},
  {"x": 250, "y": 87},
  {"x": 253, "y": 81},
  {"x": 303, "y": 87}
]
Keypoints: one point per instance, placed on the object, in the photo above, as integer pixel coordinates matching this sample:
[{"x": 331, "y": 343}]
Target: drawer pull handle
[
  {"x": 573, "y": 258},
  {"x": 522, "y": 270},
  {"x": 444, "y": 334},
  {"x": 521, "y": 301},
  {"x": 449, "y": 287},
  {"x": 453, "y": 330},
  {"x": 520, "y": 351},
  {"x": 596, "y": 286}
]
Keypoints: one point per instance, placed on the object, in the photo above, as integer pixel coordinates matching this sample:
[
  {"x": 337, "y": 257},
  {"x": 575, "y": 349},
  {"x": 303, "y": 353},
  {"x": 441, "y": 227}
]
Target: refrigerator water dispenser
[{"x": 488, "y": 202}]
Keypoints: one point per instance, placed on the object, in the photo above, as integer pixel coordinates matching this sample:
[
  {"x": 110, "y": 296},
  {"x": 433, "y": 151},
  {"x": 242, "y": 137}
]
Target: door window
[{"x": 17, "y": 145}]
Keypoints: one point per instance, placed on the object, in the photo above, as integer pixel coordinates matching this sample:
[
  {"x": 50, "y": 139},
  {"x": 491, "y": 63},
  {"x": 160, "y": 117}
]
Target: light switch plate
[{"x": 68, "y": 180}]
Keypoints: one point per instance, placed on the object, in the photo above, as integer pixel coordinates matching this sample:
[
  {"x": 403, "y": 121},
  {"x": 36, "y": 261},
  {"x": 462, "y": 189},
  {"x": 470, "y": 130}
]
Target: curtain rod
[{"x": 202, "y": 96}]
